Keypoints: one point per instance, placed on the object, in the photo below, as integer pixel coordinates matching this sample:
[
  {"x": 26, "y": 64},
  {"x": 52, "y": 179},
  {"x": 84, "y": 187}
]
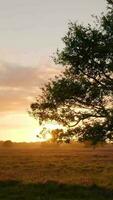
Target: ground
[{"x": 56, "y": 173}]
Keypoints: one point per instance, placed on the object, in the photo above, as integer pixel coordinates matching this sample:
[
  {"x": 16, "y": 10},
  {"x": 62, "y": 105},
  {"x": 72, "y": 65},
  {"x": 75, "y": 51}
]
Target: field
[{"x": 56, "y": 173}]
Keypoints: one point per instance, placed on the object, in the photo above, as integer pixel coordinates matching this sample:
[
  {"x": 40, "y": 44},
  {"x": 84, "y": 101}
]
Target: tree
[
  {"x": 8, "y": 144},
  {"x": 81, "y": 98}
]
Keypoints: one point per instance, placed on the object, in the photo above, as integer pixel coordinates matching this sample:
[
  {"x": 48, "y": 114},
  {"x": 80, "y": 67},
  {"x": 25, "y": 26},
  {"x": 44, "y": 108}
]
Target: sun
[{"x": 44, "y": 131}]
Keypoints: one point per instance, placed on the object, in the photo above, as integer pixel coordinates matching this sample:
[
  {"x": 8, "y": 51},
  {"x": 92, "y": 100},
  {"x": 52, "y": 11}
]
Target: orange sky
[
  {"x": 18, "y": 88},
  {"x": 30, "y": 32}
]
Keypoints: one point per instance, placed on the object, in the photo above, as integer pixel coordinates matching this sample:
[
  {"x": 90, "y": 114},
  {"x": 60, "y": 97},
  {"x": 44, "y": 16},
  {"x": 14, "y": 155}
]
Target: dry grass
[{"x": 71, "y": 166}]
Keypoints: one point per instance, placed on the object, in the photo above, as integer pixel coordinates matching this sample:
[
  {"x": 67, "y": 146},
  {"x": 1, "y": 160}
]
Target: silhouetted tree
[
  {"x": 57, "y": 135},
  {"x": 81, "y": 98},
  {"x": 7, "y": 143}
]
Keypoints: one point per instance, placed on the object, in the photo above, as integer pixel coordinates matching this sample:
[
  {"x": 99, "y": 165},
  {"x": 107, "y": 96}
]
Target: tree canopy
[{"x": 81, "y": 98}]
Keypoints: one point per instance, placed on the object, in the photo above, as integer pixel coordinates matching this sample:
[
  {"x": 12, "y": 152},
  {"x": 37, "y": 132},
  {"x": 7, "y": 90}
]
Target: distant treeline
[{"x": 10, "y": 144}]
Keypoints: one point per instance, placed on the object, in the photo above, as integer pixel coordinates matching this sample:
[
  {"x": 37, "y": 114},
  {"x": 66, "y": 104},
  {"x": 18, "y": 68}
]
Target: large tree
[{"x": 81, "y": 98}]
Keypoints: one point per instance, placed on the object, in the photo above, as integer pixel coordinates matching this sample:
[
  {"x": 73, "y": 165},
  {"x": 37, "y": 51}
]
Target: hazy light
[{"x": 31, "y": 31}]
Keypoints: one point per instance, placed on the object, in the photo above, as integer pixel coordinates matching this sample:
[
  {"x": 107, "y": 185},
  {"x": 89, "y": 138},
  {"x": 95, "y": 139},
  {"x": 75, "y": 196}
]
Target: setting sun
[
  {"x": 44, "y": 131},
  {"x": 56, "y": 100}
]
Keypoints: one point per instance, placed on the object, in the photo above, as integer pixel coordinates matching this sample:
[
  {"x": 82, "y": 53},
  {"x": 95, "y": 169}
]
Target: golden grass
[{"x": 63, "y": 164}]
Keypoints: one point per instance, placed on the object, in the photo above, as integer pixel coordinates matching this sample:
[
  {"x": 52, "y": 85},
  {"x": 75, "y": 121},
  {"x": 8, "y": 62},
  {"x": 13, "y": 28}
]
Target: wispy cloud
[{"x": 20, "y": 84}]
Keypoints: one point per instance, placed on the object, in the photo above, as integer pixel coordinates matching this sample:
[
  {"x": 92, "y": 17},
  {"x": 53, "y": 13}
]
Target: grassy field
[{"x": 56, "y": 173}]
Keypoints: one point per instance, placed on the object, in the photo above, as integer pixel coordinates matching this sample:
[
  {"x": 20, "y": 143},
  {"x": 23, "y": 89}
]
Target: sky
[{"x": 30, "y": 32}]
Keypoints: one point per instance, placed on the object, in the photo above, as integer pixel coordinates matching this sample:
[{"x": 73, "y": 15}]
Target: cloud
[{"x": 19, "y": 85}]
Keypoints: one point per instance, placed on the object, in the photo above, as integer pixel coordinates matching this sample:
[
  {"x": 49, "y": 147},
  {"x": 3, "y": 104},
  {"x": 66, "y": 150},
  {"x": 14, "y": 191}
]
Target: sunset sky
[{"x": 30, "y": 32}]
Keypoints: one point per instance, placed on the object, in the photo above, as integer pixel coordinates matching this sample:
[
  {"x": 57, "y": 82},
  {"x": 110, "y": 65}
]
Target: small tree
[
  {"x": 81, "y": 98},
  {"x": 7, "y": 144}
]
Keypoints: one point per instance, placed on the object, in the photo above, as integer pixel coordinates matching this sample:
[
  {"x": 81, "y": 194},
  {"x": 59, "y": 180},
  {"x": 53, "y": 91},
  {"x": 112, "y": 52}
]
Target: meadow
[{"x": 57, "y": 172}]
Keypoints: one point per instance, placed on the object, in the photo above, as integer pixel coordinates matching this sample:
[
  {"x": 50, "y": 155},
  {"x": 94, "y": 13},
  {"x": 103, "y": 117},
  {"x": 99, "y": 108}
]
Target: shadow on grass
[{"x": 13, "y": 190}]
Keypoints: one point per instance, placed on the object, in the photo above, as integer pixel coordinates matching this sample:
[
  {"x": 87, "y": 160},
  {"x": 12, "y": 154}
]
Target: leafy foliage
[{"x": 81, "y": 98}]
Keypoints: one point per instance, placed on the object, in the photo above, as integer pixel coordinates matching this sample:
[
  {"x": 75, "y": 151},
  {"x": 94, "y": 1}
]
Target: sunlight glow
[
  {"x": 46, "y": 129},
  {"x": 20, "y": 127}
]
